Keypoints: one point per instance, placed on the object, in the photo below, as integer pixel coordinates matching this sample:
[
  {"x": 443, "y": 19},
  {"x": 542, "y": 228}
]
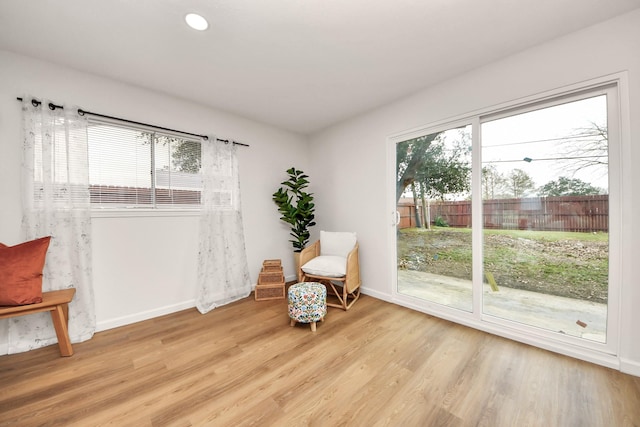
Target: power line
[
  {"x": 529, "y": 160},
  {"x": 577, "y": 136}
]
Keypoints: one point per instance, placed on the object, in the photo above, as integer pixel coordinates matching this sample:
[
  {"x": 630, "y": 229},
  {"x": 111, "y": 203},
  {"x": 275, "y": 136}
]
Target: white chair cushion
[
  {"x": 327, "y": 266},
  {"x": 337, "y": 243}
]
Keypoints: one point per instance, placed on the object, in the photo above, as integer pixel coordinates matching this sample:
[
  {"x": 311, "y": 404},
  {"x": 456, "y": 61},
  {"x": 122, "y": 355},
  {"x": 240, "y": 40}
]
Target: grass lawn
[{"x": 554, "y": 262}]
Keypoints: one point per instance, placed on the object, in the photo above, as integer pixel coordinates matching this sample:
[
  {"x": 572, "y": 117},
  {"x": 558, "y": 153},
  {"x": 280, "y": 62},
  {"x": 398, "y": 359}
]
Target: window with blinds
[{"x": 139, "y": 168}]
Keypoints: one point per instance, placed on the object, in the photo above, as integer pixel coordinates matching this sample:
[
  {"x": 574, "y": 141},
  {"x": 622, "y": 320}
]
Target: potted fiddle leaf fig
[{"x": 296, "y": 207}]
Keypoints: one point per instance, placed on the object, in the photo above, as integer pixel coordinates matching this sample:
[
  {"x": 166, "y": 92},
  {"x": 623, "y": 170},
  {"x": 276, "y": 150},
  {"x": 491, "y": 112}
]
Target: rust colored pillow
[{"x": 21, "y": 272}]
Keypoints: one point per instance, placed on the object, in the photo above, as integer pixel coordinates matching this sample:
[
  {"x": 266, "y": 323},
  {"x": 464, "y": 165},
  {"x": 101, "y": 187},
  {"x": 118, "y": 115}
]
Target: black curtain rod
[{"x": 53, "y": 106}]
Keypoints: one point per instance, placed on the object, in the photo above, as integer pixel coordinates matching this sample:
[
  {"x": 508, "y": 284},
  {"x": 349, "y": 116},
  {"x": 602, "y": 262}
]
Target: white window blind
[{"x": 133, "y": 167}]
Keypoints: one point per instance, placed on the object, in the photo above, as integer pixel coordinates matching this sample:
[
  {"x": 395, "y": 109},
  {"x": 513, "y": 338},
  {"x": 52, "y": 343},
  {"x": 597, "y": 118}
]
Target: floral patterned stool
[{"x": 307, "y": 303}]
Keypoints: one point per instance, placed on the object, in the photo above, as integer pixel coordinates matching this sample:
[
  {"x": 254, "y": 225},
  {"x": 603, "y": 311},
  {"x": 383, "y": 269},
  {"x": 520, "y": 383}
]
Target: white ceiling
[{"x": 300, "y": 65}]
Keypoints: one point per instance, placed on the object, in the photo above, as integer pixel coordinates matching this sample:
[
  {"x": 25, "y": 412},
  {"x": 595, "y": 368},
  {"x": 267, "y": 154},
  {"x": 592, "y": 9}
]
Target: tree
[
  {"x": 493, "y": 182},
  {"x": 587, "y": 148},
  {"x": 518, "y": 182},
  {"x": 410, "y": 155},
  {"x": 434, "y": 168},
  {"x": 445, "y": 169},
  {"x": 564, "y": 186},
  {"x": 185, "y": 155}
]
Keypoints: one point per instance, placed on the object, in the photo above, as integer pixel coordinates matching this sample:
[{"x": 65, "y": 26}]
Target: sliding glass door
[
  {"x": 433, "y": 193},
  {"x": 545, "y": 192},
  {"x": 506, "y": 218}
]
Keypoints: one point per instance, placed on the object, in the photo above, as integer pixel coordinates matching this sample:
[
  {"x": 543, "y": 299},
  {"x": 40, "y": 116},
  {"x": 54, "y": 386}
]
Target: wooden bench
[{"x": 55, "y": 302}]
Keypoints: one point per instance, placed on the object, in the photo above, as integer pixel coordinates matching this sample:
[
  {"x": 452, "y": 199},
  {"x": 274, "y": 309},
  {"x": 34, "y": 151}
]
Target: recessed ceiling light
[{"x": 196, "y": 22}]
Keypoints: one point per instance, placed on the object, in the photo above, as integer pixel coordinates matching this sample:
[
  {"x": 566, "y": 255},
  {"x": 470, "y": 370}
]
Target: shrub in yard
[{"x": 440, "y": 222}]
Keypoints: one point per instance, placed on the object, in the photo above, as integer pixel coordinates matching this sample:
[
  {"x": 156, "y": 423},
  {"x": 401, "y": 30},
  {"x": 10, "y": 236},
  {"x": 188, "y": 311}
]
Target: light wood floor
[{"x": 376, "y": 365}]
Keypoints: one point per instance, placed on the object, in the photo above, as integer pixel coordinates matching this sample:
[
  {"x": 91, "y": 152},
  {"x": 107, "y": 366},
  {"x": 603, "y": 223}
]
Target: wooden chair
[{"x": 333, "y": 260}]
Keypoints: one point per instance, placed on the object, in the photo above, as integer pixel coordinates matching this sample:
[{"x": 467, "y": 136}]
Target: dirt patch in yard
[{"x": 570, "y": 267}]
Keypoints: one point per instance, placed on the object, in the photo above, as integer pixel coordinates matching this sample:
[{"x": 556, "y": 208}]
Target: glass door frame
[{"x": 600, "y": 353}]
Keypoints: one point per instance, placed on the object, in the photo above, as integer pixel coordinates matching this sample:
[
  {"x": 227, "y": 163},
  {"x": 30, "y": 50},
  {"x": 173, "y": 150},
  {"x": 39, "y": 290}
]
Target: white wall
[
  {"x": 145, "y": 265},
  {"x": 352, "y": 157}
]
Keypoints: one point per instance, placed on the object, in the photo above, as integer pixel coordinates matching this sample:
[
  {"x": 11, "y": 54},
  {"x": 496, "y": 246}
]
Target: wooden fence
[{"x": 568, "y": 213}]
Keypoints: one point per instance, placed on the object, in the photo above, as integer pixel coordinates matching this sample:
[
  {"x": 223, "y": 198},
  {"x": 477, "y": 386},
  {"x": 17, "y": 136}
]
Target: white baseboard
[
  {"x": 291, "y": 278},
  {"x": 145, "y": 315},
  {"x": 630, "y": 367},
  {"x": 379, "y": 295}
]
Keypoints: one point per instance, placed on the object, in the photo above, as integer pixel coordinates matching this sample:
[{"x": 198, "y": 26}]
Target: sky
[{"x": 542, "y": 134}]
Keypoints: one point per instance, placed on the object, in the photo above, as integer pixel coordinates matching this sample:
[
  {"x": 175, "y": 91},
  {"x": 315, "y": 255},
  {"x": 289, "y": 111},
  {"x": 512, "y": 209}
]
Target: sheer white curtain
[
  {"x": 223, "y": 272},
  {"x": 56, "y": 202}
]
